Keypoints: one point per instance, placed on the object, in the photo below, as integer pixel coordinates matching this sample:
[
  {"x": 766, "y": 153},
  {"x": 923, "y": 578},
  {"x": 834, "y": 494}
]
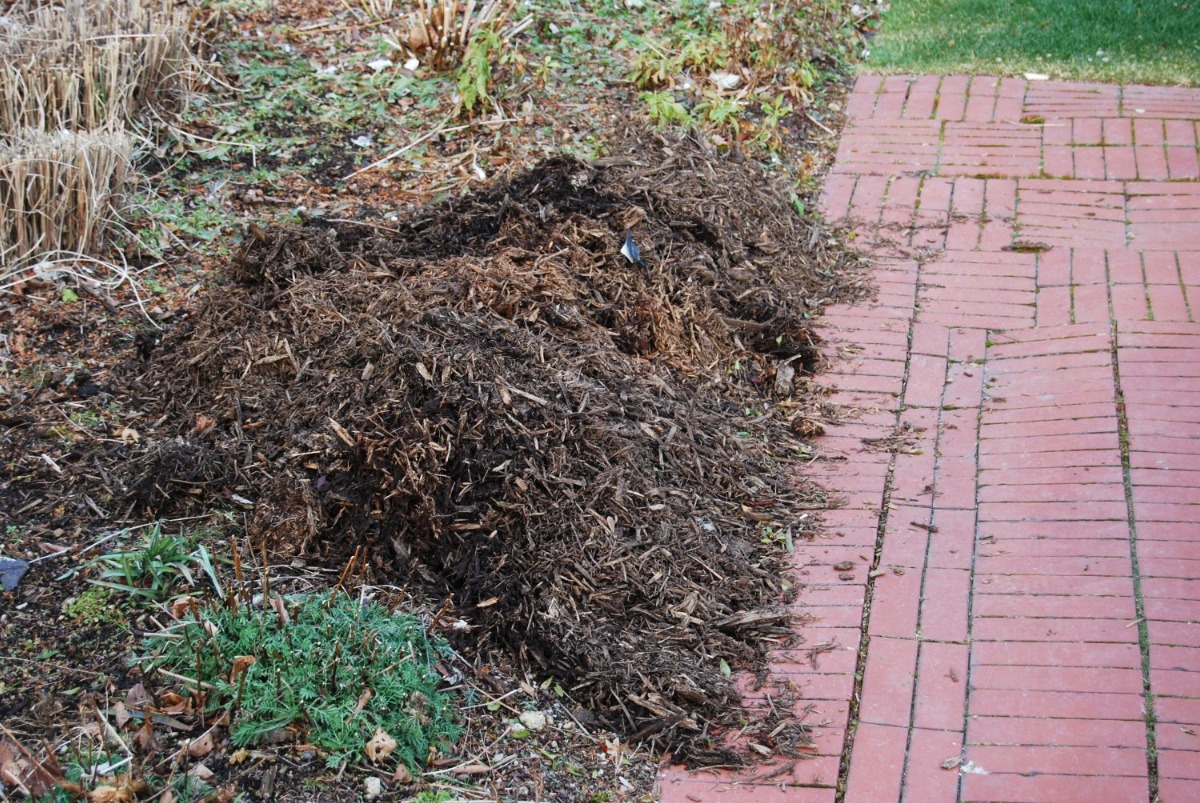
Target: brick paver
[{"x": 1021, "y": 622}]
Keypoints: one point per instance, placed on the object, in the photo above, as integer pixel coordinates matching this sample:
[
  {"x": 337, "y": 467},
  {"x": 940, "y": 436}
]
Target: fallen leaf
[
  {"x": 202, "y": 745},
  {"x": 380, "y": 746},
  {"x": 120, "y": 714},
  {"x": 951, "y": 762},
  {"x": 240, "y": 664},
  {"x": 204, "y": 424},
  {"x": 137, "y": 696},
  {"x": 143, "y": 740}
]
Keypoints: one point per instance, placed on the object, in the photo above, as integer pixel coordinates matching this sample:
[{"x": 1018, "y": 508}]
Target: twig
[
  {"x": 819, "y": 124},
  {"x": 441, "y": 129}
]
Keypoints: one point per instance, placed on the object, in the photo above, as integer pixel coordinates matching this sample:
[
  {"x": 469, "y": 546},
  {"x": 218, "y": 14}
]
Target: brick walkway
[{"x": 1021, "y": 620}]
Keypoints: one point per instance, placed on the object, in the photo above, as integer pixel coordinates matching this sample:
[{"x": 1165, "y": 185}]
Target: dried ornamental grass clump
[
  {"x": 84, "y": 66},
  {"x": 72, "y": 76},
  {"x": 59, "y": 191},
  {"x": 439, "y": 31}
]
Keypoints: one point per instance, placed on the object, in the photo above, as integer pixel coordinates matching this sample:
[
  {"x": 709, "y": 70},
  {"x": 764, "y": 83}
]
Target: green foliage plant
[
  {"x": 93, "y": 606},
  {"x": 162, "y": 567},
  {"x": 474, "y": 73},
  {"x": 332, "y": 666},
  {"x": 665, "y": 110}
]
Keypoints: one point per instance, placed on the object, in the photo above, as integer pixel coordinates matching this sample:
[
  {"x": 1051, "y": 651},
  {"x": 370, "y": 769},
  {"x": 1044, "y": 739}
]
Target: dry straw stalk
[
  {"x": 87, "y": 65},
  {"x": 59, "y": 191}
]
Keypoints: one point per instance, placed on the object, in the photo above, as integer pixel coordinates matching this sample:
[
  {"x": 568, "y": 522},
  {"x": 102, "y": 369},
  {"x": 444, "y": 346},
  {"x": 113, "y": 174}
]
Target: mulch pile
[{"x": 498, "y": 406}]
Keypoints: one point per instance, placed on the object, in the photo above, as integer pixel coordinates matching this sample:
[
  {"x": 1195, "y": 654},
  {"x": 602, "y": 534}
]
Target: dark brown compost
[{"x": 590, "y": 455}]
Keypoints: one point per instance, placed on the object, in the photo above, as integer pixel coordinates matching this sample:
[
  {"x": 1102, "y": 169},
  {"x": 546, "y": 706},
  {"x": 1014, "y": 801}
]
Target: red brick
[
  {"x": 1186, "y": 659},
  {"x": 1063, "y": 607},
  {"x": 815, "y": 597},
  {"x": 925, "y": 779},
  {"x": 941, "y": 686},
  {"x": 1053, "y": 629},
  {"x": 1070, "y": 385},
  {"x": 1174, "y": 610},
  {"x": 1129, "y": 302},
  {"x": 1175, "y": 735},
  {"x": 1179, "y": 495},
  {"x": 1053, "y": 511},
  {"x": 1151, "y": 163},
  {"x": 1051, "y": 364},
  {"x": 944, "y": 606},
  {"x": 926, "y": 378},
  {"x": 1174, "y": 633},
  {"x": 1077, "y": 476},
  {"x": 1149, "y": 132},
  {"x": 1058, "y": 678},
  {"x": 1035, "y": 761},
  {"x": 1051, "y": 584},
  {"x": 1065, "y": 339},
  {"x": 1163, "y": 446},
  {"x": 1057, "y": 704},
  {"x": 1182, "y": 163},
  {"x": 1048, "y": 459},
  {"x": 1026, "y": 653},
  {"x": 1155, "y": 511},
  {"x": 894, "y": 605},
  {"x": 1120, "y": 163},
  {"x": 955, "y": 486},
  {"x": 1178, "y": 711},
  {"x": 930, "y": 340},
  {"x": 952, "y": 98},
  {"x": 1019, "y": 562},
  {"x": 1168, "y": 302},
  {"x": 1052, "y": 788},
  {"x": 1008, "y": 533},
  {"x": 1171, "y": 588},
  {"x": 905, "y": 544},
  {"x": 921, "y": 98},
  {"x": 1053, "y": 306},
  {"x": 1049, "y": 492},
  {"x": 1175, "y": 790},
  {"x": 876, "y": 763},
  {"x": 1055, "y": 732},
  {"x": 1172, "y": 550},
  {"x": 1030, "y": 425},
  {"x": 1058, "y": 161},
  {"x": 1086, "y": 131},
  {"x": 953, "y": 544},
  {"x": 1184, "y": 764},
  {"x": 1035, "y": 547},
  {"x": 813, "y": 686},
  {"x": 887, "y": 691}
]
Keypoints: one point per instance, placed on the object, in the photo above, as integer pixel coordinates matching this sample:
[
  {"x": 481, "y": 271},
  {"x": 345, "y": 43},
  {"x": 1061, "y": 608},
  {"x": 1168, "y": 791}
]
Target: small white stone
[
  {"x": 373, "y": 787},
  {"x": 725, "y": 81},
  {"x": 635, "y": 4},
  {"x": 533, "y": 720},
  {"x": 380, "y": 64},
  {"x": 1036, "y": 76}
]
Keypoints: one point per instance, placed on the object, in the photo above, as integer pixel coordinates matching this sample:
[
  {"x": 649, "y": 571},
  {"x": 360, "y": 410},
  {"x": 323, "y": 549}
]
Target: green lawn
[{"x": 1128, "y": 41}]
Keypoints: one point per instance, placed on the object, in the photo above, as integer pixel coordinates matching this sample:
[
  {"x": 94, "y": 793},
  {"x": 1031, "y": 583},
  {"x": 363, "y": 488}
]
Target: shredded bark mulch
[{"x": 588, "y": 456}]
